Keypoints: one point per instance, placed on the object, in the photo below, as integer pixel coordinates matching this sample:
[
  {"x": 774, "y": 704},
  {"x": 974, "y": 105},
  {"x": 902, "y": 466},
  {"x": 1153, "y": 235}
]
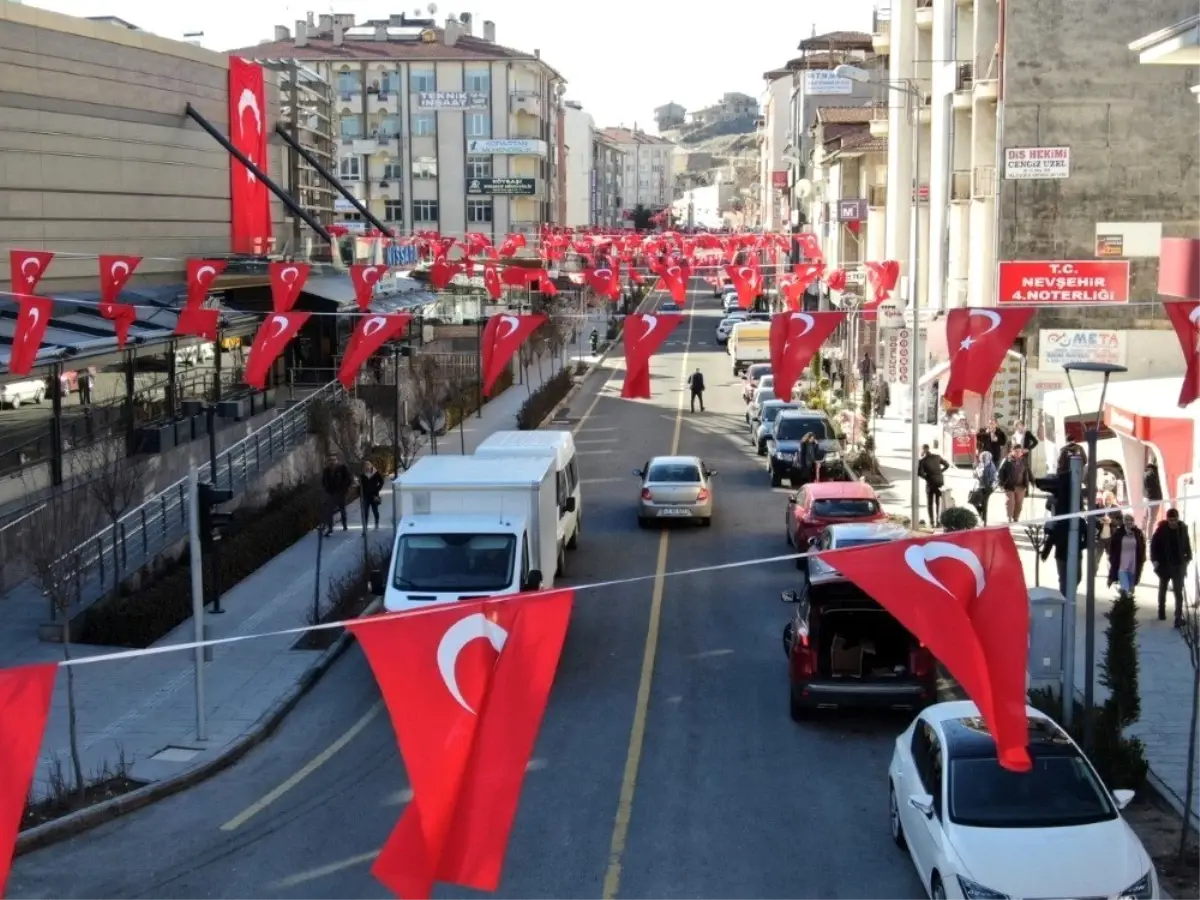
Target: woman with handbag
[{"x": 985, "y": 483}]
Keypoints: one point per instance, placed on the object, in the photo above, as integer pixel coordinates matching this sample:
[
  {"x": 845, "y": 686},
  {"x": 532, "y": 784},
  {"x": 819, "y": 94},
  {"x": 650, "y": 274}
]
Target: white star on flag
[{"x": 966, "y": 344}]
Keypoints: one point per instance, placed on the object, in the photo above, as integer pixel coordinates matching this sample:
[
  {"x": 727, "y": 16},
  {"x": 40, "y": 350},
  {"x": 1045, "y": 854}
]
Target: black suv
[{"x": 783, "y": 448}]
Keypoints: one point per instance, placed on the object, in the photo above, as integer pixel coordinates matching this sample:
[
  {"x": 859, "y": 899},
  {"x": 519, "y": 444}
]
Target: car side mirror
[
  {"x": 790, "y": 597},
  {"x": 709, "y": 473},
  {"x": 375, "y": 583},
  {"x": 638, "y": 473},
  {"x": 533, "y": 581},
  {"x": 1123, "y": 798},
  {"x": 922, "y": 803},
  {"x": 792, "y": 500},
  {"x": 569, "y": 506}
]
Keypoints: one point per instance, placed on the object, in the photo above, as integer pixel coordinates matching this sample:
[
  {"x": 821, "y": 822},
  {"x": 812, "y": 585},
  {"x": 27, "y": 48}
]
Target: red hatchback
[{"x": 823, "y": 503}]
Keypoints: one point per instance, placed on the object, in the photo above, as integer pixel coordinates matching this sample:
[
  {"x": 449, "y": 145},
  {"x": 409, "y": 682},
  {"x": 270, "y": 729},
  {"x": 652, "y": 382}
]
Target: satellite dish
[
  {"x": 432, "y": 9},
  {"x": 804, "y": 188}
]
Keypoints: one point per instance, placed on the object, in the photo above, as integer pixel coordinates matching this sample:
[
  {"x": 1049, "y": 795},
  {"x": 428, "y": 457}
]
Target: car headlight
[
  {"x": 974, "y": 891},
  {"x": 1142, "y": 889}
]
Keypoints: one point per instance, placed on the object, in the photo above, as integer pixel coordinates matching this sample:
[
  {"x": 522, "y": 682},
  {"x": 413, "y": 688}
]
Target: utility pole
[{"x": 197, "y": 573}]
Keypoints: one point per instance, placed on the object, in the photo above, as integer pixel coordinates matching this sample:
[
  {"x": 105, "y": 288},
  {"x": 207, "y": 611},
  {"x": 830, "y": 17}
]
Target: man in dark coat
[
  {"x": 370, "y": 486},
  {"x": 931, "y": 468},
  {"x": 696, "y": 385},
  {"x": 993, "y": 440},
  {"x": 1170, "y": 555},
  {"x": 335, "y": 482}
]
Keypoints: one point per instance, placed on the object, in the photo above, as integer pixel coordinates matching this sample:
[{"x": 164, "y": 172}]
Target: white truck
[
  {"x": 749, "y": 343},
  {"x": 470, "y": 527}
]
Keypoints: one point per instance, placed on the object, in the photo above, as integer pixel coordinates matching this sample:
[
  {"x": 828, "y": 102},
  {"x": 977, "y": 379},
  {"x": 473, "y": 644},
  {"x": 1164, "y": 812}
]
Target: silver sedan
[{"x": 675, "y": 487}]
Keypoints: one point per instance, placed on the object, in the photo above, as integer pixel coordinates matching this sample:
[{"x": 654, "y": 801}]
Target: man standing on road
[
  {"x": 932, "y": 468},
  {"x": 370, "y": 486},
  {"x": 84, "y": 381},
  {"x": 696, "y": 383},
  {"x": 1170, "y": 555},
  {"x": 335, "y": 481}
]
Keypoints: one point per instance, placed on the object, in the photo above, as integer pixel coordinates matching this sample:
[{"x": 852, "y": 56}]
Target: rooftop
[
  {"x": 856, "y": 144},
  {"x": 629, "y": 136},
  {"x": 838, "y": 40},
  {"x": 845, "y": 115}
]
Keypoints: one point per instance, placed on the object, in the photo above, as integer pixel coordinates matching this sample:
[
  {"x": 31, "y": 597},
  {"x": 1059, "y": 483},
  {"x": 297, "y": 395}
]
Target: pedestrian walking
[
  {"x": 1126, "y": 556},
  {"x": 985, "y": 484},
  {"x": 1152, "y": 491},
  {"x": 992, "y": 439},
  {"x": 370, "y": 486},
  {"x": 696, "y": 384},
  {"x": 335, "y": 482},
  {"x": 1170, "y": 556},
  {"x": 1023, "y": 437},
  {"x": 85, "y": 387},
  {"x": 1015, "y": 478},
  {"x": 931, "y": 468}
]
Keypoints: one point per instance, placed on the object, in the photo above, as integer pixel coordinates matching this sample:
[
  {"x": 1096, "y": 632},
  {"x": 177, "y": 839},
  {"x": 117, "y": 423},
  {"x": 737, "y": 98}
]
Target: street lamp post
[
  {"x": 1089, "y": 607},
  {"x": 854, "y": 73}
]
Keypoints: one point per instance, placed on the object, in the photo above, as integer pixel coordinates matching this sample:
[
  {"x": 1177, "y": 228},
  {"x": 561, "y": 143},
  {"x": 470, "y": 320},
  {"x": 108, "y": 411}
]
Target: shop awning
[
  {"x": 933, "y": 374},
  {"x": 1172, "y": 437}
]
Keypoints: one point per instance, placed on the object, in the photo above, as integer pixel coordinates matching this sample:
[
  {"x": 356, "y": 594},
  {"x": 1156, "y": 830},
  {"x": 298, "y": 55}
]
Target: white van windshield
[{"x": 455, "y": 563}]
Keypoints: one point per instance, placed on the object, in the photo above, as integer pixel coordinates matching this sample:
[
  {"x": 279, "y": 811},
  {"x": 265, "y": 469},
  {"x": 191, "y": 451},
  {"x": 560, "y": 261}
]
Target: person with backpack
[{"x": 985, "y": 483}]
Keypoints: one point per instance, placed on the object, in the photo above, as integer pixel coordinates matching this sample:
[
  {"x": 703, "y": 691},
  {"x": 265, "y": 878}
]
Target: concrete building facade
[
  {"x": 649, "y": 168},
  {"x": 578, "y": 131},
  {"x": 438, "y": 128},
  {"x": 607, "y": 182},
  {"x": 96, "y": 155},
  {"x": 670, "y": 115},
  {"x": 772, "y": 140}
]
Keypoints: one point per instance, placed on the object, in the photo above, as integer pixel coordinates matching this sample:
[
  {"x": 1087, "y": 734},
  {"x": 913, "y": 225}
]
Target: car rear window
[
  {"x": 793, "y": 429},
  {"x": 1059, "y": 791},
  {"x": 756, "y": 372},
  {"x": 678, "y": 473},
  {"x": 844, "y": 507},
  {"x": 771, "y": 413}
]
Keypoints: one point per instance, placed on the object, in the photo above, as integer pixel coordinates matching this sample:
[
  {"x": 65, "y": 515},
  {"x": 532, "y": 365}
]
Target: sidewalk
[
  {"x": 143, "y": 709},
  {"x": 1165, "y": 670}
]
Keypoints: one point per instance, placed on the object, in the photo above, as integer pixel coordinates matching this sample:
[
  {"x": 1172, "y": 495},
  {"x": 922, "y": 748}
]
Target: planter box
[
  {"x": 254, "y": 404},
  {"x": 269, "y": 399},
  {"x": 233, "y": 409},
  {"x": 183, "y": 431},
  {"x": 192, "y": 408},
  {"x": 155, "y": 438},
  {"x": 199, "y": 426}
]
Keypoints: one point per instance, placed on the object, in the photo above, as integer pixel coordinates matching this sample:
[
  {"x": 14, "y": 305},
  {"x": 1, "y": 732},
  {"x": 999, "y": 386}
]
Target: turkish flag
[
  {"x": 675, "y": 277},
  {"x": 250, "y": 206},
  {"x": 442, "y": 272},
  {"x": 371, "y": 333},
  {"x": 272, "y": 337},
  {"x": 643, "y": 334},
  {"x": 836, "y": 280},
  {"x": 27, "y": 268},
  {"x": 364, "y": 278},
  {"x": 197, "y": 321},
  {"x": 32, "y": 319},
  {"x": 809, "y": 246},
  {"x": 115, "y": 272},
  {"x": 806, "y": 332},
  {"x": 747, "y": 282},
  {"x": 519, "y": 276},
  {"x": 201, "y": 273},
  {"x": 604, "y": 281},
  {"x": 287, "y": 278},
  {"x": 790, "y": 289},
  {"x": 502, "y": 336},
  {"x": 977, "y": 340},
  {"x": 25, "y": 693},
  {"x": 962, "y": 594},
  {"x": 1185, "y": 319},
  {"x": 491, "y": 281},
  {"x": 882, "y": 277},
  {"x": 465, "y": 686}
]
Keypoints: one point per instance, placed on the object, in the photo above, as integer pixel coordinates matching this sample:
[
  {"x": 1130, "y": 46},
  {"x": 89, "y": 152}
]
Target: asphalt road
[{"x": 667, "y": 764}]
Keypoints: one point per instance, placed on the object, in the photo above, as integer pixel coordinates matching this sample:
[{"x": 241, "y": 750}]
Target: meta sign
[{"x": 1036, "y": 282}]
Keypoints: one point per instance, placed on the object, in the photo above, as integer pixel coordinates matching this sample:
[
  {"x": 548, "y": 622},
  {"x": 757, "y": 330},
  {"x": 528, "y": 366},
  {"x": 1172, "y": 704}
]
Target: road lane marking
[
  {"x": 637, "y": 733},
  {"x": 322, "y": 871},
  {"x": 315, "y": 763},
  {"x": 611, "y": 440},
  {"x": 601, "y": 480},
  {"x": 709, "y": 654}
]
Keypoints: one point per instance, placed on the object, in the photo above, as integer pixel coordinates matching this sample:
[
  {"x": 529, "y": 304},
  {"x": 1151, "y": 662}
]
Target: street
[{"x": 667, "y": 764}]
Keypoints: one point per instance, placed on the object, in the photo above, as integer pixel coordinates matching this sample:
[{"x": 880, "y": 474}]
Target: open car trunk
[{"x": 863, "y": 642}]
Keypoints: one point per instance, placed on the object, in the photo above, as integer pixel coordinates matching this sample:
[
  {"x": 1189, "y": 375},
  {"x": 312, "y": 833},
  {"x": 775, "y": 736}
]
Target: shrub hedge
[{"x": 543, "y": 400}]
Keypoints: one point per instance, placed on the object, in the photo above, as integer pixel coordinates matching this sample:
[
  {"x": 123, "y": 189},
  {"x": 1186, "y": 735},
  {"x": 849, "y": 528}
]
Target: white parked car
[
  {"x": 31, "y": 390},
  {"x": 729, "y": 301},
  {"x": 725, "y": 326},
  {"x": 978, "y": 831}
]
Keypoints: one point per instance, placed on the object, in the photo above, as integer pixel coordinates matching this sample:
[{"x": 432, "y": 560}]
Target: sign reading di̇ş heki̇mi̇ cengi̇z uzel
[{"x": 1030, "y": 281}]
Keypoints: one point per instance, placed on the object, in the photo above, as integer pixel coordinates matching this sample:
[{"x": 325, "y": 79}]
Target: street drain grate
[{"x": 176, "y": 755}]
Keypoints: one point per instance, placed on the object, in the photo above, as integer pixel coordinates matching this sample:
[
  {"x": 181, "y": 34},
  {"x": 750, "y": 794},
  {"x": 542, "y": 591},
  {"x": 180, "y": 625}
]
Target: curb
[{"x": 90, "y": 817}]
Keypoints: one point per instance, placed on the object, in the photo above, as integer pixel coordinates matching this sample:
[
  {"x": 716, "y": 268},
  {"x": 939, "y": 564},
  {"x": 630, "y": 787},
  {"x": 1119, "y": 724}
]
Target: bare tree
[
  {"x": 462, "y": 397},
  {"x": 428, "y": 382},
  {"x": 116, "y": 479},
  {"x": 58, "y": 545}
]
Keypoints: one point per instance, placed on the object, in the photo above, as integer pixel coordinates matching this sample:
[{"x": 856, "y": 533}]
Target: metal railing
[{"x": 149, "y": 529}]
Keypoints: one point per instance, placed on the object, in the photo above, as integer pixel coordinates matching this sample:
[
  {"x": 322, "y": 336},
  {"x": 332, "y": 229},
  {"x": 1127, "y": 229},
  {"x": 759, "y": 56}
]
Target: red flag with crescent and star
[
  {"x": 747, "y": 282},
  {"x": 250, "y": 203},
  {"x": 201, "y": 273},
  {"x": 287, "y": 279},
  {"x": 643, "y": 334},
  {"x": 272, "y": 337},
  {"x": 961, "y": 594},
  {"x": 364, "y": 278},
  {"x": 26, "y": 268},
  {"x": 502, "y": 336},
  {"x": 806, "y": 332},
  {"x": 492, "y": 283},
  {"x": 371, "y": 333},
  {"x": 33, "y": 316},
  {"x": 196, "y": 321},
  {"x": 466, "y": 688},
  {"x": 115, "y": 272},
  {"x": 675, "y": 277},
  {"x": 977, "y": 340},
  {"x": 1185, "y": 319}
]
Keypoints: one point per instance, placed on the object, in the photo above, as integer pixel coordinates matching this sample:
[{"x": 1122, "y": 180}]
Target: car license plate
[{"x": 675, "y": 512}]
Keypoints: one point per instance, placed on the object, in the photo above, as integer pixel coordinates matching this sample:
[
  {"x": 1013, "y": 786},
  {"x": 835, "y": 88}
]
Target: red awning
[{"x": 1171, "y": 437}]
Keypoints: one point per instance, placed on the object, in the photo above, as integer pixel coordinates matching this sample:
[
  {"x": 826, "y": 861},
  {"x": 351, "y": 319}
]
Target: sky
[{"x": 621, "y": 58}]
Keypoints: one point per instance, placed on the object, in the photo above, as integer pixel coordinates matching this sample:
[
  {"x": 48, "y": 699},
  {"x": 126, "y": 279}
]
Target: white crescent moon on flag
[
  {"x": 651, "y": 324},
  {"x": 513, "y": 324},
  {"x": 918, "y": 557},
  {"x": 809, "y": 323},
  {"x": 290, "y": 270},
  {"x": 746, "y": 272},
  {"x": 989, "y": 314},
  {"x": 604, "y": 273},
  {"x": 674, "y": 270},
  {"x": 374, "y": 325},
  {"x": 371, "y": 274},
  {"x": 474, "y": 627},
  {"x": 204, "y": 271},
  {"x": 120, "y": 265},
  {"x": 35, "y": 315},
  {"x": 248, "y": 101},
  {"x": 25, "y": 263},
  {"x": 1193, "y": 316},
  {"x": 281, "y": 324}
]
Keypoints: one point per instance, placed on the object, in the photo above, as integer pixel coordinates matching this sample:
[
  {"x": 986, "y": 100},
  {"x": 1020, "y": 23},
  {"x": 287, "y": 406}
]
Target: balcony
[
  {"x": 369, "y": 146},
  {"x": 983, "y": 183},
  {"x": 925, "y": 14},
  {"x": 986, "y": 90},
  {"x": 881, "y": 40},
  {"x": 877, "y": 196},
  {"x": 964, "y": 81},
  {"x": 880, "y": 119},
  {"x": 527, "y": 103},
  {"x": 960, "y": 185}
]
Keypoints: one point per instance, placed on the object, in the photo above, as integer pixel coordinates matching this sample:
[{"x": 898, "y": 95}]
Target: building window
[
  {"x": 352, "y": 127},
  {"x": 425, "y": 211},
  {"x": 391, "y": 83},
  {"x": 425, "y": 167},
  {"x": 424, "y": 124},
  {"x": 479, "y": 78},
  {"x": 479, "y": 124},
  {"x": 393, "y": 210},
  {"x": 393, "y": 170},
  {"x": 349, "y": 84},
  {"x": 389, "y": 127},
  {"x": 479, "y": 212},
  {"x": 351, "y": 168},
  {"x": 422, "y": 78},
  {"x": 479, "y": 167}
]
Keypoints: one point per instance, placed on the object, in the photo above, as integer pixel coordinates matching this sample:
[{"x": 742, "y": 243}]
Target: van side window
[
  {"x": 563, "y": 491},
  {"x": 572, "y": 475},
  {"x": 524, "y": 562}
]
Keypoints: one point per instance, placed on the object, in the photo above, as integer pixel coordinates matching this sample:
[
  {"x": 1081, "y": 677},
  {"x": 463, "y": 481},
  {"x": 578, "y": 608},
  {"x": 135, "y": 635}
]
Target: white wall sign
[
  {"x": 898, "y": 359},
  {"x": 1031, "y": 163},
  {"x": 1060, "y": 346},
  {"x": 507, "y": 146},
  {"x": 822, "y": 82}
]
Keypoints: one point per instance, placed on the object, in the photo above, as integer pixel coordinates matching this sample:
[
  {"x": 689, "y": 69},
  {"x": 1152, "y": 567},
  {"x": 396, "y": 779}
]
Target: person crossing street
[{"x": 696, "y": 384}]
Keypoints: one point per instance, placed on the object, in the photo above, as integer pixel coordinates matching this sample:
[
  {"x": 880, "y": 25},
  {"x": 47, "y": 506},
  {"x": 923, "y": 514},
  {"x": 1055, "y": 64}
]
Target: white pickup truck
[{"x": 469, "y": 527}]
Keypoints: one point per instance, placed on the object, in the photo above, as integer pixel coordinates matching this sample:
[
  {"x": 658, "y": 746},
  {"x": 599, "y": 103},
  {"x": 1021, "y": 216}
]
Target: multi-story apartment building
[
  {"x": 1041, "y": 138},
  {"x": 670, "y": 115},
  {"x": 731, "y": 106},
  {"x": 438, "y": 128},
  {"x": 607, "y": 181},
  {"x": 578, "y": 133},
  {"x": 649, "y": 167},
  {"x": 772, "y": 141}
]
